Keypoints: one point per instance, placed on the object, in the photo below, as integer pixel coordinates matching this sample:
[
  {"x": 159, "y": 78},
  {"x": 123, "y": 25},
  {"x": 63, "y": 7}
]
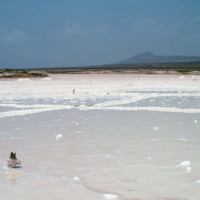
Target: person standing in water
[{"x": 12, "y": 161}]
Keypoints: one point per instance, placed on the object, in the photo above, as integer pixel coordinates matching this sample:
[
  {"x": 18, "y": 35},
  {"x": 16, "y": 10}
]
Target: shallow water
[{"x": 121, "y": 145}]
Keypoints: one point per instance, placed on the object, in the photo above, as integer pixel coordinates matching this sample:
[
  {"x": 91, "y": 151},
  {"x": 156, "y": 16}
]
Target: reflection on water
[{"x": 12, "y": 174}]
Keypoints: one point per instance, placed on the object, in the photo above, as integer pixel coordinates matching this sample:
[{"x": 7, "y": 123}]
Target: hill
[{"x": 149, "y": 58}]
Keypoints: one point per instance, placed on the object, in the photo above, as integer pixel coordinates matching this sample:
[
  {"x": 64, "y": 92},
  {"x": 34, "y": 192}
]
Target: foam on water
[
  {"x": 120, "y": 104},
  {"x": 23, "y": 79},
  {"x": 32, "y": 111},
  {"x": 185, "y": 163},
  {"x": 110, "y": 196},
  {"x": 64, "y": 107}
]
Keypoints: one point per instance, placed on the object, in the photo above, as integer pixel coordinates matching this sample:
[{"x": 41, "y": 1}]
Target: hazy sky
[{"x": 55, "y": 33}]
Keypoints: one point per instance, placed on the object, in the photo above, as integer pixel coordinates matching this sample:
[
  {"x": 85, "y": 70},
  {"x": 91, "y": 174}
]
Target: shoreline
[
  {"x": 121, "y": 71},
  {"x": 16, "y": 73}
]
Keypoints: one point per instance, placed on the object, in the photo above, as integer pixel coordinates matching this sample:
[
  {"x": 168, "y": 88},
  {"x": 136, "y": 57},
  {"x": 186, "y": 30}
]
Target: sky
[{"x": 50, "y": 33}]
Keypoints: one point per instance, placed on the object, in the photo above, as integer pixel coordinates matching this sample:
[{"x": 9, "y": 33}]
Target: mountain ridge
[{"x": 149, "y": 58}]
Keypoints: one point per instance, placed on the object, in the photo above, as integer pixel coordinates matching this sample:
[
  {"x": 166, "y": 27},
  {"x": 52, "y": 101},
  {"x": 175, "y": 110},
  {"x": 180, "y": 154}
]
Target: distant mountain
[{"x": 152, "y": 58}]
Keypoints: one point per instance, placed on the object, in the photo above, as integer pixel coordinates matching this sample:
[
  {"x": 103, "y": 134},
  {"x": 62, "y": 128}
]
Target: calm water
[{"x": 126, "y": 146}]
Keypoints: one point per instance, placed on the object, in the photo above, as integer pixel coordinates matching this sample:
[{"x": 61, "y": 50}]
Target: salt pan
[
  {"x": 188, "y": 169},
  {"x": 156, "y": 128},
  {"x": 185, "y": 163},
  {"x": 58, "y": 137},
  {"x": 197, "y": 181},
  {"x": 110, "y": 196},
  {"x": 76, "y": 178}
]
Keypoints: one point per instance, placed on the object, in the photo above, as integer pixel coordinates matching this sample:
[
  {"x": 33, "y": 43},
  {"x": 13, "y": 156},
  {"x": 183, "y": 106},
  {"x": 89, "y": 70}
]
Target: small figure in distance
[
  {"x": 73, "y": 91},
  {"x": 13, "y": 162}
]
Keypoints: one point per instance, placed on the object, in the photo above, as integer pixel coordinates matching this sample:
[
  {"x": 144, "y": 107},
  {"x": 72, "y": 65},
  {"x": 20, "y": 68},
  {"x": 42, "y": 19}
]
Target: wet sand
[{"x": 117, "y": 137}]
